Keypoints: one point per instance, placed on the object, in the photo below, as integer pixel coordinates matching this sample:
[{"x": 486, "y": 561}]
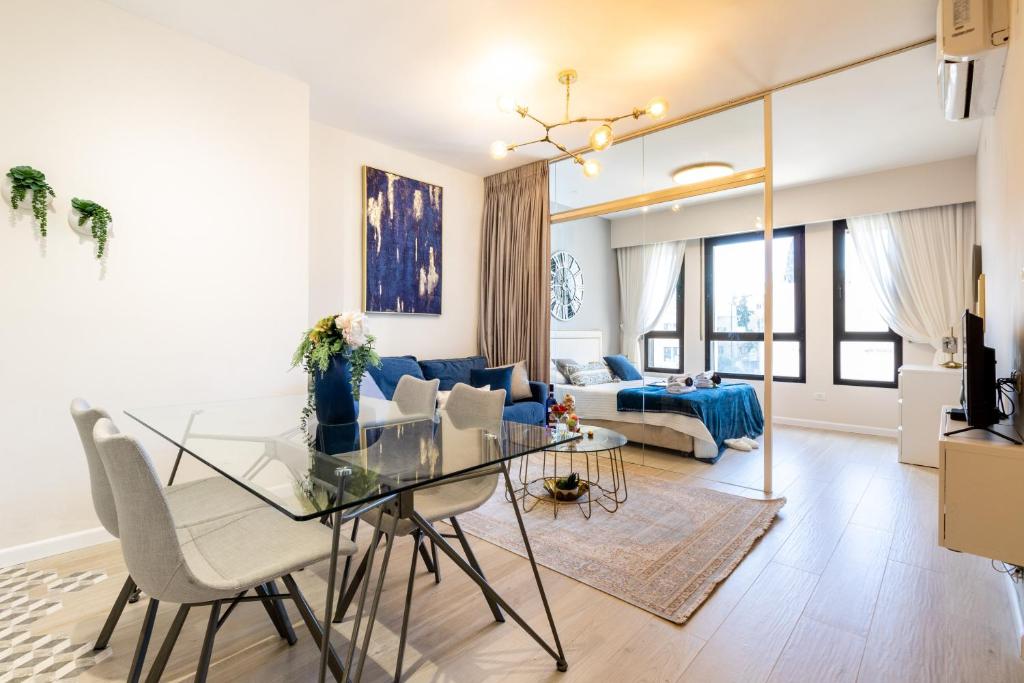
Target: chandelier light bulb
[
  {"x": 675, "y": 208},
  {"x": 601, "y": 137},
  {"x": 499, "y": 150},
  {"x": 506, "y": 104},
  {"x": 591, "y": 167},
  {"x": 657, "y": 108}
]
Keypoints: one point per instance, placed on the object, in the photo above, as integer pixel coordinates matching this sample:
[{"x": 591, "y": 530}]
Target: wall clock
[{"x": 566, "y": 286}]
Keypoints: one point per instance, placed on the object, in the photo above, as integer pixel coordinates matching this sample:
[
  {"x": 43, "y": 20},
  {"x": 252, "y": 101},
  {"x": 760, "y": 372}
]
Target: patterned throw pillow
[{"x": 589, "y": 374}]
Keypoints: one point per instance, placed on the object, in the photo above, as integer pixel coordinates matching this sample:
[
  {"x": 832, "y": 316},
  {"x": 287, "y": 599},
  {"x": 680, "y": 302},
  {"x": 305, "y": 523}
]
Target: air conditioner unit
[{"x": 971, "y": 38}]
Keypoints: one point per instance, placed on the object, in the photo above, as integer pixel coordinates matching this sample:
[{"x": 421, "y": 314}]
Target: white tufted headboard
[{"x": 581, "y": 345}]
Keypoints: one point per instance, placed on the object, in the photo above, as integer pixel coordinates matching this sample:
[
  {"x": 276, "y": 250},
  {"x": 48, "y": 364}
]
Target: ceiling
[
  {"x": 424, "y": 76},
  {"x": 878, "y": 116}
]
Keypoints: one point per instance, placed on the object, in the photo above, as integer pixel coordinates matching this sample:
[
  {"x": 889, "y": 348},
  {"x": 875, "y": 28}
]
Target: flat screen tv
[{"x": 979, "y": 390}]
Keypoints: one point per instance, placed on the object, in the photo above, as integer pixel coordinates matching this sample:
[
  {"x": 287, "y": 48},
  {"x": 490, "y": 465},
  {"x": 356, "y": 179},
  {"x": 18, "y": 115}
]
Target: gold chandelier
[{"x": 600, "y": 138}]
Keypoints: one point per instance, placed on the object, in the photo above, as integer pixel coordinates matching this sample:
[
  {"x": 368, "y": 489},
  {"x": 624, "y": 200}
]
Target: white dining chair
[
  {"x": 210, "y": 562},
  {"x": 416, "y": 396},
  {"x": 190, "y": 502}
]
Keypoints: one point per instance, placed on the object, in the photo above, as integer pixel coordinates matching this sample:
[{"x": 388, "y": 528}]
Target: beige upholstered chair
[
  {"x": 416, "y": 396},
  {"x": 206, "y": 562},
  {"x": 190, "y": 502}
]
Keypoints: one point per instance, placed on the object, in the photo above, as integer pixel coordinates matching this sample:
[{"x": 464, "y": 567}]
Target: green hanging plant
[
  {"x": 99, "y": 218},
  {"x": 25, "y": 179}
]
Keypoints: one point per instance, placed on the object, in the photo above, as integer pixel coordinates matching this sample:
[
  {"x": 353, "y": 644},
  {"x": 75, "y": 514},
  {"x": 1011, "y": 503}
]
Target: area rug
[{"x": 664, "y": 550}]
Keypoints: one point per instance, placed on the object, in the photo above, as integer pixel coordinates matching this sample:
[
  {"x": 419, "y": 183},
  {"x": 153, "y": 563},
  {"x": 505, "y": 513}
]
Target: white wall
[
  {"x": 1001, "y": 211},
  {"x": 589, "y": 241},
  {"x": 911, "y": 187},
  {"x": 336, "y": 243},
  {"x": 203, "y": 159}
]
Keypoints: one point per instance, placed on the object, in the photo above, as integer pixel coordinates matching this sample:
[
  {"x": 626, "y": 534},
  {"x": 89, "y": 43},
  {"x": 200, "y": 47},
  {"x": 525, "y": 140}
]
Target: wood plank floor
[{"x": 848, "y": 585}]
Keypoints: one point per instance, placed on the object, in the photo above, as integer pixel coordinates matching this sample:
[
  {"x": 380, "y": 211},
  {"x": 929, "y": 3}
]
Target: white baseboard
[
  {"x": 46, "y": 547},
  {"x": 835, "y": 426}
]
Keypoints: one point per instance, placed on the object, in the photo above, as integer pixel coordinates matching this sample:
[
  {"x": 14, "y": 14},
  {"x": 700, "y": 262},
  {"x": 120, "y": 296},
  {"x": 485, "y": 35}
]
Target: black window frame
[
  {"x": 676, "y": 334},
  {"x": 839, "y": 331},
  {"x": 800, "y": 301}
]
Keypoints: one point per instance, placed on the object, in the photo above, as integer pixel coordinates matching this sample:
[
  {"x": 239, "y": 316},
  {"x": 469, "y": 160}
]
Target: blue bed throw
[{"x": 729, "y": 411}]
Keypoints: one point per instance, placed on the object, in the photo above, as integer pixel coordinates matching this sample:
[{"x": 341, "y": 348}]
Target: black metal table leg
[{"x": 556, "y": 653}]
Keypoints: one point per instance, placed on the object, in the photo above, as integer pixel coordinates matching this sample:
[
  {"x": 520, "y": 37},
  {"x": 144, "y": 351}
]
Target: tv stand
[{"x": 984, "y": 429}]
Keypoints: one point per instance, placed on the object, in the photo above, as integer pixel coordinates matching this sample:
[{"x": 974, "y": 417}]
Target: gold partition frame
[{"x": 754, "y": 176}]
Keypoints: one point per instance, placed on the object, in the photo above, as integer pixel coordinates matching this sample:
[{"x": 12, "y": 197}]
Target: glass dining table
[{"x": 331, "y": 474}]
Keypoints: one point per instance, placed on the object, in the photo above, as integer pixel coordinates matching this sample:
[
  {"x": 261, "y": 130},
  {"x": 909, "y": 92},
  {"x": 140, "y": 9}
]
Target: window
[
  {"x": 663, "y": 345},
  {"x": 865, "y": 352},
  {"x": 734, "y": 305}
]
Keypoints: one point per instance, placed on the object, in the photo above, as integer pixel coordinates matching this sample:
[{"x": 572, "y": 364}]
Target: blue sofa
[{"x": 452, "y": 371}]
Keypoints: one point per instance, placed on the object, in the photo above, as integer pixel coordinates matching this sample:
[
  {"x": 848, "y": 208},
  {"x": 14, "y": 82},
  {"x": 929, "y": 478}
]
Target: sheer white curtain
[
  {"x": 920, "y": 265},
  {"x": 648, "y": 275}
]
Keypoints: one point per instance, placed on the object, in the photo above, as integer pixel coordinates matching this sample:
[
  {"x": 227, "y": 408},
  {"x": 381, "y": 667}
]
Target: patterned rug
[
  {"x": 26, "y": 596},
  {"x": 664, "y": 550}
]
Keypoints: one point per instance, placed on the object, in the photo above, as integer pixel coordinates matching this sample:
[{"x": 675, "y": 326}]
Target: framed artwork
[{"x": 402, "y": 244}]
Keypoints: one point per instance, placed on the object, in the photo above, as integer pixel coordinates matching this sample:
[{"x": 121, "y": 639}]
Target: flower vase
[{"x": 332, "y": 392}]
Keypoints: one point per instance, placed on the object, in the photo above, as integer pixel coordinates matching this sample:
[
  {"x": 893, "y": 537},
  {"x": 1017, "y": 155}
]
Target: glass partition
[{"x": 669, "y": 242}]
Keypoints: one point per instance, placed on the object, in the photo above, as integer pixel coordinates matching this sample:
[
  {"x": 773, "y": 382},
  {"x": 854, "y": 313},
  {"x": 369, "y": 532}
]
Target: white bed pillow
[
  {"x": 590, "y": 374},
  {"x": 556, "y": 375}
]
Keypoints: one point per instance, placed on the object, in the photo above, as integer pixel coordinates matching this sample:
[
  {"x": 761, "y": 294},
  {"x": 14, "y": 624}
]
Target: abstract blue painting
[{"x": 402, "y": 234}]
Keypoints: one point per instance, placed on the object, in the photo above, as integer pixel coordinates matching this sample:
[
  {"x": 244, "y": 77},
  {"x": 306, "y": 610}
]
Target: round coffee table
[{"x": 586, "y": 452}]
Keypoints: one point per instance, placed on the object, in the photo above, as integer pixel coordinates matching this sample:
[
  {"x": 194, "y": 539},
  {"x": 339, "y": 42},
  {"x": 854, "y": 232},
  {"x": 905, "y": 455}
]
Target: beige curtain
[{"x": 515, "y": 290}]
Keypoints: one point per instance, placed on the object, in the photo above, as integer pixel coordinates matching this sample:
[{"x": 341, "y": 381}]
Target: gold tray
[{"x": 560, "y": 494}]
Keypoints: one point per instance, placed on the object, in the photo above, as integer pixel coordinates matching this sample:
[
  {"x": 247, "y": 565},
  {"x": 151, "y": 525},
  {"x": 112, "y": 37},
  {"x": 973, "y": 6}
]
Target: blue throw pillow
[
  {"x": 451, "y": 371},
  {"x": 391, "y": 369},
  {"x": 622, "y": 368},
  {"x": 497, "y": 378}
]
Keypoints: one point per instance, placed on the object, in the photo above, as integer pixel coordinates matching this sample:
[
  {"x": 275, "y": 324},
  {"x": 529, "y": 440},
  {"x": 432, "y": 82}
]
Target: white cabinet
[{"x": 924, "y": 389}]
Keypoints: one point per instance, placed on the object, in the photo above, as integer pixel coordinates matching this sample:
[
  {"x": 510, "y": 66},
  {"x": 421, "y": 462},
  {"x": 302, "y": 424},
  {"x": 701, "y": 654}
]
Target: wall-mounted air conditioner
[{"x": 971, "y": 38}]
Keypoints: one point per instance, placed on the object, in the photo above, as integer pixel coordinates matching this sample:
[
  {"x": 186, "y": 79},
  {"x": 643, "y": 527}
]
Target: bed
[{"x": 615, "y": 405}]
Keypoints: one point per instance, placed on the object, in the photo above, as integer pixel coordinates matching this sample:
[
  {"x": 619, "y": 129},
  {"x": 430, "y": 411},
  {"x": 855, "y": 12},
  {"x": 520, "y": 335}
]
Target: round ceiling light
[{"x": 698, "y": 173}]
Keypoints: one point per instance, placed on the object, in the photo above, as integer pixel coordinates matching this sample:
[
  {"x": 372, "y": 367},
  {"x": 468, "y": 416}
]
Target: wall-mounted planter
[
  {"x": 91, "y": 221},
  {"x": 27, "y": 187}
]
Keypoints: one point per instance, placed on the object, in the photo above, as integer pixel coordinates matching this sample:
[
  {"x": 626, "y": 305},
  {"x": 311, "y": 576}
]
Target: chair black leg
[
  {"x": 471, "y": 558},
  {"x": 144, "y": 635},
  {"x": 276, "y": 611},
  {"x": 207, "y": 652},
  {"x": 306, "y": 612},
  {"x": 115, "y": 614},
  {"x": 428, "y": 561},
  {"x": 437, "y": 565},
  {"x": 346, "y": 597},
  {"x": 160, "y": 663},
  {"x": 348, "y": 558},
  {"x": 417, "y": 539}
]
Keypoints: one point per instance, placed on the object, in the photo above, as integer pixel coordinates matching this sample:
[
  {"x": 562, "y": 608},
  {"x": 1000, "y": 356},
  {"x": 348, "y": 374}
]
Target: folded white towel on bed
[
  {"x": 678, "y": 388},
  {"x": 703, "y": 380}
]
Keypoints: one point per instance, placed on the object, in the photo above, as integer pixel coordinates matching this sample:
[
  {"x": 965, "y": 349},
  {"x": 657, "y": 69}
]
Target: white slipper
[
  {"x": 750, "y": 442},
  {"x": 737, "y": 444}
]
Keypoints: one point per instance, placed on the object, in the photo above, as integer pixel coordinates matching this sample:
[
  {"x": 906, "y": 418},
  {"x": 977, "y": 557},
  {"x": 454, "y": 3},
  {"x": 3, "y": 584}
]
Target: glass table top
[
  {"x": 259, "y": 444},
  {"x": 603, "y": 439}
]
